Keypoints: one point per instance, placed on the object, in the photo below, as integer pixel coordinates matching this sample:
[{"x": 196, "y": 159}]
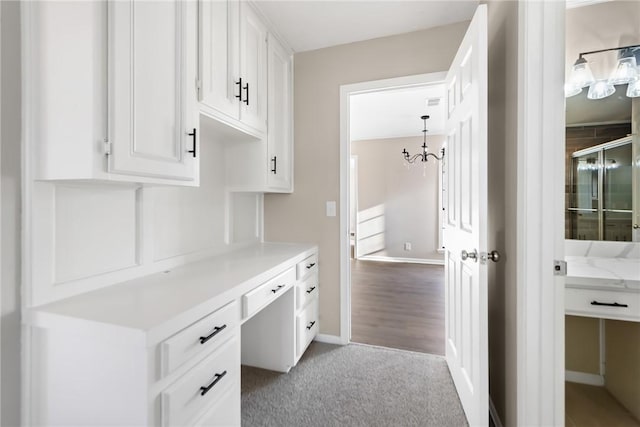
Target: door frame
[
  {"x": 540, "y": 213},
  {"x": 345, "y": 155}
]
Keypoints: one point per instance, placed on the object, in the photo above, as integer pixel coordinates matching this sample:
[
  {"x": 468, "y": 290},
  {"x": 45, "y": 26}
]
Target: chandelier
[{"x": 425, "y": 154}]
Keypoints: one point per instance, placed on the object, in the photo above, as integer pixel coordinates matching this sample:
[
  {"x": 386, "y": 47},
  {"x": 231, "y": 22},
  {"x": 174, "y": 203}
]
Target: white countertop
[
  {"x": 153, "y": 304},
  {"x": 601, "y": 272}
]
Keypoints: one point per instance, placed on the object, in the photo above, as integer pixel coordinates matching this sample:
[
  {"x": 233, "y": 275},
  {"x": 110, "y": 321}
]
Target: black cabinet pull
[
  {"x": 310, "y": 289},
  {"x": 609, "y": 304},
  {"x": 193, "y": 134},
  {"x": 311, "y": 265},
  {"x": 277, "y": 289},
  {"x": 311, "y": 325},
  {"x": 239, "y": 83},
  {"x": 274, "y": 160},
  {"x": 246, "y": 101},
  {"x": 205, "y": 390},
  {"x": 215, "y": 332}
]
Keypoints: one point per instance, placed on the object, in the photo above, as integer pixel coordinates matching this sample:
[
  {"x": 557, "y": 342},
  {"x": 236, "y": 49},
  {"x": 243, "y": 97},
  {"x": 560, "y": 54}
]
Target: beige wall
[
  {"x": 10, "y": 226},
  {"x": 300, "y": 217},
  {"x": 503, "y": 57},
  {"x": 622, "y": 377},
  {"x": 410, "y": 195},
  {"x": 582, "y": 344}
]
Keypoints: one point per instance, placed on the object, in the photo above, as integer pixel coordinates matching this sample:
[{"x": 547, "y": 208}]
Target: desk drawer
[
  {"x": 307, "y": 267},
  {"x": 203, "y": 335},
  {"x": 306, "y": 291},
  {"x": 307, "y": 326},
  {"x": 262, "y": 295},
  {"x": 603, "y": 304},
  {"x": 203, "y": 386}
]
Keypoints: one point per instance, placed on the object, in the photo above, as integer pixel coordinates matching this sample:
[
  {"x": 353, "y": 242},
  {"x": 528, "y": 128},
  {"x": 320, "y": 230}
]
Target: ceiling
[
  {"x": 396, "y": 113},
  {"x": 314, "y": 24}
]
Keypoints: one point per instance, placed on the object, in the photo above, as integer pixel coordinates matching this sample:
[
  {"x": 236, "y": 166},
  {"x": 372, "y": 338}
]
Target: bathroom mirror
[{"x": 602, "y": 156}]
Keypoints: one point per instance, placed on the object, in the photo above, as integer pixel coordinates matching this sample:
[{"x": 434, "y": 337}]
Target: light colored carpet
[{"x": 353, "y": 385}]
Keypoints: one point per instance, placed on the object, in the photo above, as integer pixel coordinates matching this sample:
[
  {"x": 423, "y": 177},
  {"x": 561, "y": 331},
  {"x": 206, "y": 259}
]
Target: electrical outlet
[{"x": 407, "y": 246}]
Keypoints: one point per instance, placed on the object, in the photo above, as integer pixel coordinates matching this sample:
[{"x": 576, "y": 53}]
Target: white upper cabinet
[
  {"x": 153, "y": 118},
  {"x": 110, "y": 91},
  {"x": 233, "y": 65},
  {"x": 280, "y": 136}
]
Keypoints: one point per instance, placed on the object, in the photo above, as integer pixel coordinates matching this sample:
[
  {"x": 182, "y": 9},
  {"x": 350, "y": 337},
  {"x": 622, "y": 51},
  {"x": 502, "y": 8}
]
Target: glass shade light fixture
[
  {"x": 626, "y": 72},
  {"x": 633, "y": 90},
  {"x": 626, "y": 69},
  {"x": 423, "y": 157},
  {"x": 600, "y": 89}
]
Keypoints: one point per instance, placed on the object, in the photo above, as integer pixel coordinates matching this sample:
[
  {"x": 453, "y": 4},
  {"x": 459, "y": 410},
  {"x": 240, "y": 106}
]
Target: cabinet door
[
  {"x": 279, "y": 140},
  {"x": 253, "y": 69},
  {"x": 152, "y": 89},
  {"x": 219, "y": 56}
]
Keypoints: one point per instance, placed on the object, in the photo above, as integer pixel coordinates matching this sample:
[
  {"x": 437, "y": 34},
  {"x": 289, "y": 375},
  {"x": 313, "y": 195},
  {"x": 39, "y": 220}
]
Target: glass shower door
[
  {"x": 618, "y": 200},
  {"x": 585, "y": 197}
]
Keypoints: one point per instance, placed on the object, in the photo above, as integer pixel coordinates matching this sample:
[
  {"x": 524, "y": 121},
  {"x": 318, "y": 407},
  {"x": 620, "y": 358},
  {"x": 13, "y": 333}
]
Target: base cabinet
[{"x": 185, "y": 369}]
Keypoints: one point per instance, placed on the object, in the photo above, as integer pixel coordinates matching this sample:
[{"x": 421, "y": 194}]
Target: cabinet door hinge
[
  {"x": 107, "y": 147},
  {"x": 559, "y": 268},
  {"x": 198, "y": 86}
]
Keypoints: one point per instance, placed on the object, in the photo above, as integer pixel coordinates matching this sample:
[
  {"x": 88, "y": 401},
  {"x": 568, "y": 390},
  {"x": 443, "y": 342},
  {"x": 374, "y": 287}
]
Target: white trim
[
  {"x": 493, "y": 413},
  {"x": 584, "y": 378},
  {"x": 540, "y": 217},
  {"x": 330, "y": 339},
  {"x": 380, "y": 258},
  {"x": 345, "y": 155}
]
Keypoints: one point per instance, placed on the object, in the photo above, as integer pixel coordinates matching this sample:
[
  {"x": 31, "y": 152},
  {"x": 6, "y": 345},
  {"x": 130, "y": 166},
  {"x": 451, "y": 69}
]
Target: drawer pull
[
  {"x": 311, "y": 265},
  {"x": 215, "y": 332},
  {"x": 310, "y": 289},
  {"x": 609, "y": 304},
  {"x": 205, "y": 390},
  {"x": 277, "y": 289},
  {"x": 311, "y": 325}
]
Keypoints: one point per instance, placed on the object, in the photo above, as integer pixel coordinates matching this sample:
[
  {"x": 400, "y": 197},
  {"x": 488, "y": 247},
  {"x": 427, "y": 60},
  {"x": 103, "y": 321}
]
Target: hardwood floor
[
  {"x": 398, "y": 305},
  {"x": 592, "y": 406}
]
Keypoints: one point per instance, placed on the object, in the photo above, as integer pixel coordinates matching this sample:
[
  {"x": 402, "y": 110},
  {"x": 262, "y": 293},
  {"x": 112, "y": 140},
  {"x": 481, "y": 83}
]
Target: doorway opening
[{"x": 395, "y": 255}]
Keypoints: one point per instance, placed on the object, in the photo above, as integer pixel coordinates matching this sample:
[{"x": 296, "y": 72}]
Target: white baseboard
[
  {"x": 329, "y": 339},
  {"x": 583, "y": 378},
  {"x": 397, "y": 259},
  {"x": 494, "y": 414}
]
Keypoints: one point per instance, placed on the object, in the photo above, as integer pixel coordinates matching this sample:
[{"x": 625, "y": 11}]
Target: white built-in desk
[{"x": 166, "y": 349}]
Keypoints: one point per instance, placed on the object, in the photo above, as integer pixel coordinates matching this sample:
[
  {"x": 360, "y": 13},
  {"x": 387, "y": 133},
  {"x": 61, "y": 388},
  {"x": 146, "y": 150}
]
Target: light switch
[{"x": 331, "y": 208}]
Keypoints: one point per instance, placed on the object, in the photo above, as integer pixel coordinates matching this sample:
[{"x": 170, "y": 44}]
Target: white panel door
[
  {"x": 279, "y": 139},
  {"x": 466, "y": 222},
  {"x": 253, "y": 68},
  {"x": 219, "y": 56},
  {"x": 152, "y": 88}
]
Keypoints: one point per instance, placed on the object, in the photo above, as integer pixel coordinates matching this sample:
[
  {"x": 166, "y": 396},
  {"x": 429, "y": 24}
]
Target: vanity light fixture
[
  {"x": 626, "y": 72},
  {"x": 425, "y": 154}
]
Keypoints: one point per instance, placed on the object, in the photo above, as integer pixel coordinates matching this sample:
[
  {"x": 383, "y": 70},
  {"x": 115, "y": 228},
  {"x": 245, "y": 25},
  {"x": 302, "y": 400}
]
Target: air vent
[{"x": 433, "y": 102}]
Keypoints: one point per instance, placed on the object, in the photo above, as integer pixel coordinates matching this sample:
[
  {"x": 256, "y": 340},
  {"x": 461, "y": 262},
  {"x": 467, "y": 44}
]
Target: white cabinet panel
[
  {"x": 233, "y": 66},
  {"x": 219, "y": 50},
  {"x": 253, "y": 68},
  {"x": 188, "y": 398},
  {"x": 95, "y": 230},
  {"x": 152, "y": 57},
  {"x": 111, "y": 80},
  {"x": 280, "y": 138}
]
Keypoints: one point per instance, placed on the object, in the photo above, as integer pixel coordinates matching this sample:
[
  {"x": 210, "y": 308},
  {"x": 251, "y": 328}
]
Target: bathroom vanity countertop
[{"x": 601, "y": 272}]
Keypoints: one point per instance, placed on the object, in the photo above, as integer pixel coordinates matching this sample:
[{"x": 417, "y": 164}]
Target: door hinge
[
  {"x": 559, "y": 268},
  {"x": 107, "y": 147},
  {"x": 198, "y": 87}
]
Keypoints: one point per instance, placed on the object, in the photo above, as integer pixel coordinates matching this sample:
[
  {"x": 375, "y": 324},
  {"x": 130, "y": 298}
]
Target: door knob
[
  {"x": 473, "y": 255},
  {"x": 636, "y": 226},
  {"x": 494, "y": 256}
]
